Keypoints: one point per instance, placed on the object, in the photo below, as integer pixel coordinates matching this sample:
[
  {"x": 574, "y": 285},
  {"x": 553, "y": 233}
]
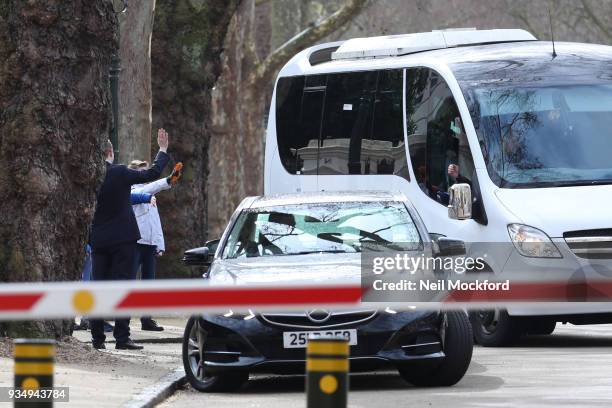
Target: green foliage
[
  {"x": 12, "y": 261},
  {"x": 28, "y": 330},
  {"x": 17, "y": 263},
  {"x": 4, "y": 9},
  {"x": 188, "y": 174},
  {"x": 174, "y": 268},
  {"x": 4, "y": 257},
  {"x": 189, "y": 25}
]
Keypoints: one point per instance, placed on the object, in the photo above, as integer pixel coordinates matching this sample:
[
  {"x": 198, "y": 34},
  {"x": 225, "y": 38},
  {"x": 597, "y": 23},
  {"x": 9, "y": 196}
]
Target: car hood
[
  {"x": 556, "y": 210},
  {"x": 294, "y": 269}
]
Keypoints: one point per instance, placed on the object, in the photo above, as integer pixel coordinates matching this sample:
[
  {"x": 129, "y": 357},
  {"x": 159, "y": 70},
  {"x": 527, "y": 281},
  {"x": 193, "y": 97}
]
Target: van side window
[
  {"x": 362, "y": 124},
  {"x": 437, "y": 143},
  {"x": 347, "y": 120},
  {"x": 384, "y": 151},
  {"x": 346, "y": 123},
  {"x": 299, "y": 108}
]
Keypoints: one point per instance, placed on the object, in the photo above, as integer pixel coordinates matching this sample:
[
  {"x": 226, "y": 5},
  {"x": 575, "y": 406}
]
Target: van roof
[
  {"x": 395, "y": 45},
  {"x": 322, "y": 62}
]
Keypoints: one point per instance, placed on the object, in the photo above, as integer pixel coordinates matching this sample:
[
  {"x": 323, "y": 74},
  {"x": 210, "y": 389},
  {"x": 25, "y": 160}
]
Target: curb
[
  {"x": 163, "y": 340},
  {"x": 156, "y": 393}
]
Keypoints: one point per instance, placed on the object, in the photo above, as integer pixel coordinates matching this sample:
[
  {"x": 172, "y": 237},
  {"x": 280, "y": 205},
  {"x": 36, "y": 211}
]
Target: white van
[{"x": 528, "y": 129}]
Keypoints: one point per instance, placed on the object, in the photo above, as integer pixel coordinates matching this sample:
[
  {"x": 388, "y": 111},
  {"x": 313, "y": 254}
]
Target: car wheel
[
  {"x": 495, "y": 328},
  {"x": 458, "y": 346},
  {"x": 541, "y": 326},
  {"x": 194, "y": 345}
]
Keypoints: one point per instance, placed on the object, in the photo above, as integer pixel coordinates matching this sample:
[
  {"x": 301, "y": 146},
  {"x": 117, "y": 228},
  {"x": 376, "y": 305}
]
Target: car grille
[
  {"x": 591, "y": 244},
  {"x": 319, "y": 319}
]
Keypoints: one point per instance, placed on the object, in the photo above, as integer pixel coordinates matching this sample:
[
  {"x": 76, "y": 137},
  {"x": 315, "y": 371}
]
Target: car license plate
[{"x": 299, "y": 339}]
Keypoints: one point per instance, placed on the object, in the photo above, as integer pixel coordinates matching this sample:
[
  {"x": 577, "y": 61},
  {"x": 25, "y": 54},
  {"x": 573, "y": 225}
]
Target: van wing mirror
[
  {"x": 197, "y": 257},
  {"x": 460, "y": 201},
  {"x": 450, "y": 247}
]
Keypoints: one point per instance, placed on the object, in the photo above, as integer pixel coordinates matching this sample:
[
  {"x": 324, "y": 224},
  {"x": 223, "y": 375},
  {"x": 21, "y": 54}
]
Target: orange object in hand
[{"x": 177, "y": 172}]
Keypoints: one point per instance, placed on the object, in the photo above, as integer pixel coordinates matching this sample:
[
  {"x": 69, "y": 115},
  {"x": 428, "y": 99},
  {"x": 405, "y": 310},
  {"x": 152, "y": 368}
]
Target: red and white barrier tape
[
  {"x": 54, "y": 300},
  {"x": 24, "y": 301}
]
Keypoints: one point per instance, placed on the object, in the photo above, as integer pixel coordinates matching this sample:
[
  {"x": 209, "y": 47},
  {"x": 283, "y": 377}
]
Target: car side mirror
[
  {"x": 460, "y": 201},
  {"x": 450, "y": 247},
  {"x": 212, "y": 246},
  {"x": 197, "y": 257}
]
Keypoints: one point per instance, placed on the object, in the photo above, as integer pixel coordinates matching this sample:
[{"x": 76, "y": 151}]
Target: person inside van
[
  {"x": 422, "y": 180},
  {"x": 453, "y": 171}
]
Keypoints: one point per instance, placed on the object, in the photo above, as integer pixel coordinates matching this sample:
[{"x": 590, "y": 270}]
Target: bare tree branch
[
  {"x": 525, "y": 20},
  {"x": 520, "y": 14},
  {"x": 313, "y": 33},
  {"x": 596, "y": 20}
]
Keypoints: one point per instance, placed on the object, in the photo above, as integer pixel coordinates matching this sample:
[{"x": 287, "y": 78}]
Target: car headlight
[
  {"x": 532, "y": 242},
  {"x": 244, "y": 316}
]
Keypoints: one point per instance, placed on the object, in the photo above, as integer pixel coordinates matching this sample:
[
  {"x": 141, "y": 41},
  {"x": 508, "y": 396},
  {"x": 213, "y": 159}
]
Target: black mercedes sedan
[{"x": 313, "y": 238}]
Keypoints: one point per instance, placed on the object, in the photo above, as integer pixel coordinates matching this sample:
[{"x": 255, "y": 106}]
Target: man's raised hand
[{"x": 162, "y": 139}]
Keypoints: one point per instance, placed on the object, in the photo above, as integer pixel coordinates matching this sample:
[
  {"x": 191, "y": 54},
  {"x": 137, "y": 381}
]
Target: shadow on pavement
[
  {"x": 565, "y": 341},
  {"x": 295, "y": 383},
  {"x": 383, "y": 381}
]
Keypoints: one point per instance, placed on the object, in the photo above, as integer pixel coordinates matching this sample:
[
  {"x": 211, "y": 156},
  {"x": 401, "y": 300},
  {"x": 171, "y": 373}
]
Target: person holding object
[
  {"x": 453, "y": 171},
  {"x": 114, "y": 233},
  {"x": 151, "y": 243},
  {"x": 443, "y": 196}
]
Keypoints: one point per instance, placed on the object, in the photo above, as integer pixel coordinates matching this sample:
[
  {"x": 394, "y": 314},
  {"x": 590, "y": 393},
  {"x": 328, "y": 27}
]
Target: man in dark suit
[{"x": 114, "y": 233}]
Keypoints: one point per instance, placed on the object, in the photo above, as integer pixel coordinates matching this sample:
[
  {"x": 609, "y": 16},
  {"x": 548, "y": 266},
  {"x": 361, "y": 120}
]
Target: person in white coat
[{"x": 151, "y": 244}]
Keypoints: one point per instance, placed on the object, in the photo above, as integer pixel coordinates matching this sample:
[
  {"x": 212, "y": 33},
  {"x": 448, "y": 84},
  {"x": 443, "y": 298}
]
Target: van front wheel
[{"x": 495, "y": 328}]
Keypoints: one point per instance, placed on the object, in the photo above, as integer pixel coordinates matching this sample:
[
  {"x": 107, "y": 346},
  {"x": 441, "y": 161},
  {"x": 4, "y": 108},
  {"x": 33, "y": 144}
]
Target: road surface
[{"x": 572, "y": 367}]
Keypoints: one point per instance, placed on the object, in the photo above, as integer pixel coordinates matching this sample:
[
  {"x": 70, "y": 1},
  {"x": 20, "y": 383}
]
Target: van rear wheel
[{"x": 495, "y": 328}]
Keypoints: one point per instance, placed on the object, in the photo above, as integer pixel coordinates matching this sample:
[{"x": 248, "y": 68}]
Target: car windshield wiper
[{"x": 328, "y": 251}]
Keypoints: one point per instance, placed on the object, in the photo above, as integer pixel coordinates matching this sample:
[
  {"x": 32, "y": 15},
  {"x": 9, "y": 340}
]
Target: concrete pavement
[
  {"x": 573, "y": 367},
  {"x": 112, "y": 378}
]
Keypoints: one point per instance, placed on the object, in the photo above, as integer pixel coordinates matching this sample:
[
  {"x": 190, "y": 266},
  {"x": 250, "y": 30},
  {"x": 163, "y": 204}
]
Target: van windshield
[
  {"x": 541, "y": 121},
  {"x": 546, "y": 136}
]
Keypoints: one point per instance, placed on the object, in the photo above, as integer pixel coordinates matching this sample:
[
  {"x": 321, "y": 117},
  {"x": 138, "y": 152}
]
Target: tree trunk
[
  {"x": 241, "y": 96},
  {"x": 185, "y": 54},
  {"x": 235, "y": 152},
  {"x": 54, "y": 115},
  {"x": 135, "y": 28}
]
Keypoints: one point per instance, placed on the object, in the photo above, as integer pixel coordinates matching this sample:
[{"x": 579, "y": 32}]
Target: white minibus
[{"x": 527, "y": 127}]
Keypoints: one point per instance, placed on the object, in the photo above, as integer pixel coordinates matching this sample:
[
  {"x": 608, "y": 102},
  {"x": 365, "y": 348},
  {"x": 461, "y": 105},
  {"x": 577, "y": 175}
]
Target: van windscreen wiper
[{"x": 577, "y": 183}]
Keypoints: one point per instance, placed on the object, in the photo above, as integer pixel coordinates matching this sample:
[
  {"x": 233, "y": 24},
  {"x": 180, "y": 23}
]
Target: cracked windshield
[{"x": 321, "y": 228}]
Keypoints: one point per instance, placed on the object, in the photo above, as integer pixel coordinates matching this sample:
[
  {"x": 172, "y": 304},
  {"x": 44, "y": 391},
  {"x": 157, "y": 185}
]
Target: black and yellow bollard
[
  {"x": 327, "y": 369},
  {"x": 34, "y": 366}
]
